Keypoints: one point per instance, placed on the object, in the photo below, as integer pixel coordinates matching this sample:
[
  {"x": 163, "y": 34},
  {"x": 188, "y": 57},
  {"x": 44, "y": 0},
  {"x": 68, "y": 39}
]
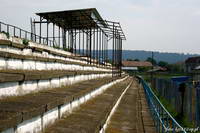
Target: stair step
[
  {"x": 131, "y": 115},
  {"x": 124, "y": 119},
  {"x": 90, "y": 117},
  {"x": 26, "y": 75},
  {"x": 8, "y": 59},
  {"x": 15, "y": 110}
]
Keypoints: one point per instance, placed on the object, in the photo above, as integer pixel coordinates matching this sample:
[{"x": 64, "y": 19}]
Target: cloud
[
  {"x": 196, "y": 13},
  {"x": 166, "y": 25},
  {"x": 156, "y": 3}
]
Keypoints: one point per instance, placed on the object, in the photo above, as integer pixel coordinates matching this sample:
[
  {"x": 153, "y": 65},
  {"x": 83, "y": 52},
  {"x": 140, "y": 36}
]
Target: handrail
[
  {"x": 18, "y": 32},
  {"x": 163, "y": 120},
  {"x": 14, "y": 31}
]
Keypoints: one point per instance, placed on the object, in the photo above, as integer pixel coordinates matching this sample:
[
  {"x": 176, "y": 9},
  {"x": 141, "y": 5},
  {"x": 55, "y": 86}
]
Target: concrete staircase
[
  {"x": 35, "y": 111},
  {"x": 132, "y": 113},
  {"x": 91, "y": 116},
  {"x": 36, "y": 67},
  {"x": 44, "y": 89},
  {"x": 39, "y": 83}
]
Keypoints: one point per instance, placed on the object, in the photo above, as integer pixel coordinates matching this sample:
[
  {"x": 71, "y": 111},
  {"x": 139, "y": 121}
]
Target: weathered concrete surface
[
  {"x": 147, "y": 121},
  {"x": 90, "y": 117},
  {"x": 26, "y": 75},
  {"x": 34, "y": 81},
  {"x": 20, "y": 61},
  {"x": 124, "y": 119},
  {"x": 15, "y": 110},
  {"x": 131, "y": 116}
]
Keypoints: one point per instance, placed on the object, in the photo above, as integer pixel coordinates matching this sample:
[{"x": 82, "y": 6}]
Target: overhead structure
[{"x": 84, "y": 33}]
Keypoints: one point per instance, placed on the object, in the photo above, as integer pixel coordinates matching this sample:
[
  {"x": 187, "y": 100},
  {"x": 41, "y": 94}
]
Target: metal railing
[
  {"x": 20, "y": 33},
  {"x": 163, "y": 121},
  {"x": 14, "y": 31}
]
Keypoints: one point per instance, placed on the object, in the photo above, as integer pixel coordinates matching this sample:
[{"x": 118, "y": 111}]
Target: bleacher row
[
  {"x": 44, "y": 89},
  {"x": 36, "y": 66},
  {"x": 40, "y": 83},
  {"x": 33, "y": 56}
]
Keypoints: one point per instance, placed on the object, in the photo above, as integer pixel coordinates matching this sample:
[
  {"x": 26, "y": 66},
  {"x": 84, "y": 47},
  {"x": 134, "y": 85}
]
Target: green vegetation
[
  {"x": 153, "y": 61},
  {"x": 25, "y": 42},
  {"x": 168, "y": 75},
  {"x": 6, "y": 33},
  {"x": 175, "y": 68},
  {"x": 147, "y": 76},
  {"x": 182, "y": 120},
  {"x": 167, "y": 105},
  {"x": 162, "y": 64},
  {"x": 172, "y": 69},
  {"x": 143, "y": 69},
  {"x": 16, "y": 36},
  {"x": 108, "y": 61},
  {"x": 171, "y": 58},
  {"x": 133, "y": 59},
  {"x": 66, "y": 49},
  {"x": 136, "y": 60},
  {"x": 56, "y": 46}
]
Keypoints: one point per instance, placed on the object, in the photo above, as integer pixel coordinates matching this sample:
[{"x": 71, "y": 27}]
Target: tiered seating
[
  {"x": 38, "y": 82},
  {"x": 41, "y": 86},
  {"x": 29, "y": 67},
  {"x": 14, "y": 54},
  {"x": 47, "y": 105},
  {"x": 91, "y": 116}
]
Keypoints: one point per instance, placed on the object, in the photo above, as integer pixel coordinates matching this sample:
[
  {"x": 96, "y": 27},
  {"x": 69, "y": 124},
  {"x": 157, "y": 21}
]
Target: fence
[
  {"x": 164, "y": 122},
  {"x": 18, "y": 32},
  {"x": 100, "y": 55},
  {"x": 170, "y": 91}
]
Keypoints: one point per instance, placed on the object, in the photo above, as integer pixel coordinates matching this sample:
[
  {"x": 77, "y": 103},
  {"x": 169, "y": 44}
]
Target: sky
[{"x": 153, "y": 25}]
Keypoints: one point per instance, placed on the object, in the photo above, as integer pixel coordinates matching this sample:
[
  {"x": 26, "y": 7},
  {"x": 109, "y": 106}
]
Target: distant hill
[{"x": 158, "y": 56}]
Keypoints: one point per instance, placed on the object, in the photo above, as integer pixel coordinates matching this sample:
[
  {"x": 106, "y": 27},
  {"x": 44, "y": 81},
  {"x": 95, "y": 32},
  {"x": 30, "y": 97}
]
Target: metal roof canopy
[{"x": 83, "y": 19}]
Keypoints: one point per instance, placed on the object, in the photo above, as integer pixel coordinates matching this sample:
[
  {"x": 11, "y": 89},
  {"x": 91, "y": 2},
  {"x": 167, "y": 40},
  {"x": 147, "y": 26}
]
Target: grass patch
[
  {"x": 56, "y": 47},
  {"x": 25, "y": 42},
  {"x": 6, "y": 33},
  {"x": 161, "y": 75}
]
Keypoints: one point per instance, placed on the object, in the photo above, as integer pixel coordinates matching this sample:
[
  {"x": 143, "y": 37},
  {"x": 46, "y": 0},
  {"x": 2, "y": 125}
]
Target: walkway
[
  {"x": 14, "y": 110},
  {"x": 131, "y": 114}
]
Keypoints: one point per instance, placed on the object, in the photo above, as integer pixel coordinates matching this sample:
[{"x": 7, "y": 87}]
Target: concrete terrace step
[
  {"x": 10, "y": 60},
  {"x": 19, "y": 82},
  {"x": 132, "y": 114},
  {"x": 26, "y": 75},
  {"x": 147, "y": 120},
  {"x": 16, "y": 110},
  {"x": 16, "y": 45},
  {"x": 14, "y": 49},
  {"x": 90, "y": 117},
  {"x": 124, "y": 118}
]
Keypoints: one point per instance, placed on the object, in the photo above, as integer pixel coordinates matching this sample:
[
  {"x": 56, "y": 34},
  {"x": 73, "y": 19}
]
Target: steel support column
[
  {"x": 47, "y": 32},
  {"x": 90, "y": 45},
  {"x": 40, "y": 29}
]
